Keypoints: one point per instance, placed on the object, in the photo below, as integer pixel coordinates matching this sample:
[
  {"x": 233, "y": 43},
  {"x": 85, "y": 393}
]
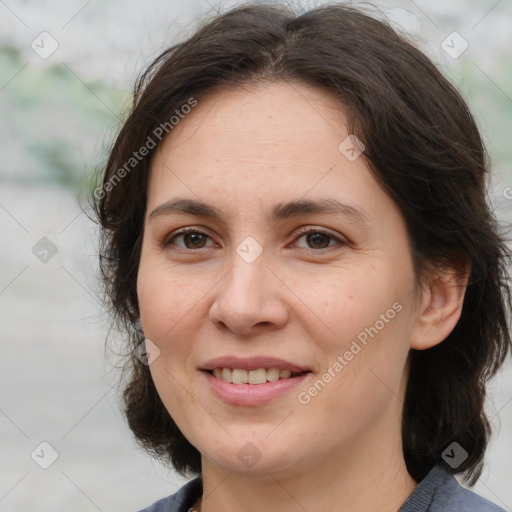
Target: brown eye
[
  {"x": 192, "y": 239},
  {"x": 317, "y": 239},
  {"x": 196, "y": 240}
]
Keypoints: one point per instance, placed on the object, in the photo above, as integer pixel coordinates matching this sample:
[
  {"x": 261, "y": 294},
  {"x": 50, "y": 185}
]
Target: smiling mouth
[{"x": 259, "y": 376}]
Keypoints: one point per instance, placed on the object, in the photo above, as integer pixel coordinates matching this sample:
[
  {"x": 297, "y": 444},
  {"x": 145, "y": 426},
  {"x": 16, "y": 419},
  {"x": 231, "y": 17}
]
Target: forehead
[
  {"x": 261, "y": 143},
  {"x": 267, "y": 113}
]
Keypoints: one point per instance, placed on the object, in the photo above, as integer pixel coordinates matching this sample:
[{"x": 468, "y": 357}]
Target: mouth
[
  {"x": 254, "y": 377},
  {"x": 241, "y": 387},
  {"x": 253, "y": 381}
]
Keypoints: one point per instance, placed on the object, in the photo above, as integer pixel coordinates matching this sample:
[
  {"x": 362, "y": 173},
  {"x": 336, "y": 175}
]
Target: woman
[{"x": 296, "y": 240}]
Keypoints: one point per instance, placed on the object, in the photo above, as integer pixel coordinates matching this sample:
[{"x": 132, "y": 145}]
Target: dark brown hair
[{"x": 423, "y": 147}]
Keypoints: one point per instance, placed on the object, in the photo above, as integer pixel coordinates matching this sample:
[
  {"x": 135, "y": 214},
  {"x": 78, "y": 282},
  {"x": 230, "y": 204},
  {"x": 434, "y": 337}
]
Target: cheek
[
  {"x": 165, "y": 299},
  {"x": 368, "y": 334},
  {"x": 166, "y": 306},
  {"x": 348, "y": 303}
]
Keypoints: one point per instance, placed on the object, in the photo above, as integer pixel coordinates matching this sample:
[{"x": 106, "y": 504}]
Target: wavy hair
[{"x": 422, "y": 145}]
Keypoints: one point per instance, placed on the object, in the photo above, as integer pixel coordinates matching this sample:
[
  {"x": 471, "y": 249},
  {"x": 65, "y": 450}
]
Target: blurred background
[{"x": 66, "y": 73}]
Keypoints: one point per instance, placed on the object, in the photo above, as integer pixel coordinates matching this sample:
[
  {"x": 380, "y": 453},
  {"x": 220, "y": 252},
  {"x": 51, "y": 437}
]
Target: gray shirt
[{"x": 439, "y": 491}]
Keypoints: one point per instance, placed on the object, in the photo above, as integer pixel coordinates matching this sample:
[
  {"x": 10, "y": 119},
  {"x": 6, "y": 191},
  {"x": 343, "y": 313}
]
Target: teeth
[
  {"x": 259, "y": 376},
  {"x": 239, "y": 377},
  {"x": 273, "y": 374}
]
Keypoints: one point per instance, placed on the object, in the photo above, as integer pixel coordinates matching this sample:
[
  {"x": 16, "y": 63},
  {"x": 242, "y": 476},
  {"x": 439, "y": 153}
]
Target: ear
[{"x": 440, "y": 306}]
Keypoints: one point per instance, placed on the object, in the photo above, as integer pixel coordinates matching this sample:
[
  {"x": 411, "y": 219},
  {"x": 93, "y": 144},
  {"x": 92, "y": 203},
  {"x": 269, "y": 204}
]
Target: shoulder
[
  {"x": 452, "y": 496},
  {"x": 180, "y": 501},
  {"x": 439, "y": 491}
]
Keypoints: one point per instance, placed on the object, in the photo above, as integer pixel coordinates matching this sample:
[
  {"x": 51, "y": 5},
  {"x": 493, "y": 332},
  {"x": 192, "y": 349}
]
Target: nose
[{"x": 248, "y": 299}]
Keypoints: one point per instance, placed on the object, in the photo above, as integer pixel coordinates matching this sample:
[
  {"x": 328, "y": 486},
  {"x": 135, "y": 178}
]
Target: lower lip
[{"x": 251, "y": 394}]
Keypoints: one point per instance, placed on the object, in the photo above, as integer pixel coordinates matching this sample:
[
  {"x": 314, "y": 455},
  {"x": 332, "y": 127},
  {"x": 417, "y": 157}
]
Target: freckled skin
[{"x": 243, "y": 151}]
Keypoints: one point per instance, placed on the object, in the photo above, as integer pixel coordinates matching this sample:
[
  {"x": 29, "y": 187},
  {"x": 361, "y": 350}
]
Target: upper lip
[{"x": 252, "y": 363}]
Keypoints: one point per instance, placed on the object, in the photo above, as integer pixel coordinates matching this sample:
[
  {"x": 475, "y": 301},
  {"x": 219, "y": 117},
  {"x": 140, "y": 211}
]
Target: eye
[
  {"x": 192, "y": 238},
  {"x": 318, "y": 238}
]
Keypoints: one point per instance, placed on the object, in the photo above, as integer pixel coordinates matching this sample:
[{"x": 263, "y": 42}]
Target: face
[{"x": 294, "y": 260}]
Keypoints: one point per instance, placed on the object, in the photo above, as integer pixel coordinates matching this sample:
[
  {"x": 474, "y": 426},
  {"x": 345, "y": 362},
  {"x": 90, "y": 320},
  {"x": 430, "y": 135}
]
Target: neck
[{"x": 369, "y": 478}]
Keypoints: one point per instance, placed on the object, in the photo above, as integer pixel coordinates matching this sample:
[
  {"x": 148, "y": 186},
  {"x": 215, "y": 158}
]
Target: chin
[{"x": 256, "y": 458}]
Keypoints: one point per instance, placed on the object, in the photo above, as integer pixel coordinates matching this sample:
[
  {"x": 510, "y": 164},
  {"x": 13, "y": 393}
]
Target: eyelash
[{"x": 304, "y": 231}]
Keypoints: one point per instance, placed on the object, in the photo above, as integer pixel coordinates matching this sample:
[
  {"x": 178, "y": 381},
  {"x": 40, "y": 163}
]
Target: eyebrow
[{"x": 280, "y": 211}]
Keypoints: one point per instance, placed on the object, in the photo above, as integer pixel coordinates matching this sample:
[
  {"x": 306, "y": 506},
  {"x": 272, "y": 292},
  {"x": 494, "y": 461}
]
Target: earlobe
[{"x": 440, "y": 307}]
